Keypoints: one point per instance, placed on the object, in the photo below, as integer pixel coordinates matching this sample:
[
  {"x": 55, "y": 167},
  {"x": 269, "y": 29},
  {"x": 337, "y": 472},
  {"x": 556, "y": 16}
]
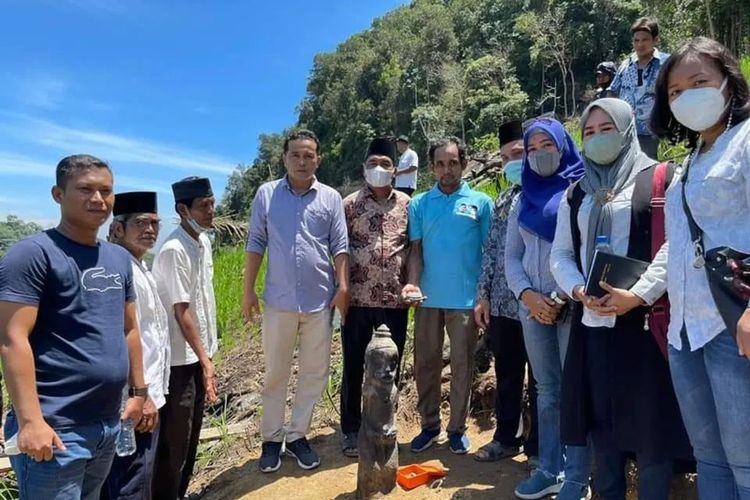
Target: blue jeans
[
  {"x": 713, "y": 388},
  {"x": 546, "y": 347},
  {"x": 76, "y": 473}
]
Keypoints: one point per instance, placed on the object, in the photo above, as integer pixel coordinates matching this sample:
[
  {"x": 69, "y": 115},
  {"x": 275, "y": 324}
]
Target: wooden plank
[{"x": 213, "y": 433}]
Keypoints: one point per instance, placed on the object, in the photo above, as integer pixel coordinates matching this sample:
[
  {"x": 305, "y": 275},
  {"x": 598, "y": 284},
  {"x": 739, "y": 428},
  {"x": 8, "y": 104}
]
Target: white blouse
[{"x": 718, "y": 193}]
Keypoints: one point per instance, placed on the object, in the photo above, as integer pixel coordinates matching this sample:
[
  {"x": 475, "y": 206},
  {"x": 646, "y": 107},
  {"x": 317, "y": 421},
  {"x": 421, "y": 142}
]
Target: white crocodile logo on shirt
[{"x": 95, "y": 280}]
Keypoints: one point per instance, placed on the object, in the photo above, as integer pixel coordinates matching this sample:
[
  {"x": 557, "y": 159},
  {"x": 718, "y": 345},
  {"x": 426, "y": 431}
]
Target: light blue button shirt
[
  {"x": 527, "y": 258},
  {"x": 302, "y": 232},
  {"x": 718, "y": 192},
  {"x": 453, "y": 228}
]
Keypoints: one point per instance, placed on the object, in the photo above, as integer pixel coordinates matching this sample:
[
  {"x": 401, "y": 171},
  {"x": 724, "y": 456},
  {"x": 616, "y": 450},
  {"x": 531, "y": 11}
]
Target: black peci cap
[
  {"x": 192, "y": 187},
  {"x": 510, "y": 131},
  {"x": 135, "y": 202}
]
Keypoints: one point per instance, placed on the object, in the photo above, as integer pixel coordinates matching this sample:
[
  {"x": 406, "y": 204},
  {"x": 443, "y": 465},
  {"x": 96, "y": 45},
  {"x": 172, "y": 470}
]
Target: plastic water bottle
[
  {"x": 125, "y": 439},
  {"x": 602, "y": 244}
]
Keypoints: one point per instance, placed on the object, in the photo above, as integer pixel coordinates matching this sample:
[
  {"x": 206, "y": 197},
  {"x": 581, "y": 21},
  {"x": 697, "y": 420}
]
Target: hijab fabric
[
  {"x": 540, "y": 196},
  {"x": 604, "y": 182}
]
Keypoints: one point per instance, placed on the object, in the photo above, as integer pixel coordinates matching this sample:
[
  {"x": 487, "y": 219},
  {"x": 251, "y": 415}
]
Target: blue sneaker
[
  {"x": 574, "y": 491},
  {"x": 539, "y": 485},
  {"x": 459, "y": 443},
  {"x": 424, "y": 440}
]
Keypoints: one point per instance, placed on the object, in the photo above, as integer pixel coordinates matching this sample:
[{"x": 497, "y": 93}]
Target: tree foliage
[
  {"x": 461, "y": 67},
  {"x": 14, "y": 229}
]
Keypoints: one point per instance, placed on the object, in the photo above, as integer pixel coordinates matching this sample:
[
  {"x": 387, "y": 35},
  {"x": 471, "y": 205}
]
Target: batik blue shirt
[{"x": 640, "y": 97}]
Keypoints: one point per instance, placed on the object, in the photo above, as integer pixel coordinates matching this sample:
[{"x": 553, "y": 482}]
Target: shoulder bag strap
[{"x": 696, "y": 234}]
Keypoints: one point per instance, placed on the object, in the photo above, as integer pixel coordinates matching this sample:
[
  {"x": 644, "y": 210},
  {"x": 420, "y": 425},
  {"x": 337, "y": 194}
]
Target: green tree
[{"x": 14, "y": 229}]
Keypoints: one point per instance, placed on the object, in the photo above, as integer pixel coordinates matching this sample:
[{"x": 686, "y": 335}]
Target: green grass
[
  {"x": 745, "y": 66},
  {"x": 229, "y": 265},
  {"x": 8, "y": 487}
]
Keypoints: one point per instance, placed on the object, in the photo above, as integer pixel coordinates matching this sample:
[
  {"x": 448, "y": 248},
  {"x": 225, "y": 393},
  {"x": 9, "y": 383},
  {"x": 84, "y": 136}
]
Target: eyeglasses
[
  {"x": 144, "y": 224},
  {"x": 547, "y": 117}
]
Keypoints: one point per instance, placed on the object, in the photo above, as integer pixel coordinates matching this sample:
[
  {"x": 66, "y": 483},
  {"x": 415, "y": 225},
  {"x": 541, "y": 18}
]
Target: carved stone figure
[{"x": 378, "y": 450}]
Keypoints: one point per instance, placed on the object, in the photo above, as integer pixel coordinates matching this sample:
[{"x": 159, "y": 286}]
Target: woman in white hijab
[{"x": 617, "y": 388}]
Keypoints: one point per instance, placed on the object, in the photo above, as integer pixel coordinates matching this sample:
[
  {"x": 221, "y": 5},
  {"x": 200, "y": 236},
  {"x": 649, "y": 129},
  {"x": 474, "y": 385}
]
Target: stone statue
[{"x": 378, "y": 450}]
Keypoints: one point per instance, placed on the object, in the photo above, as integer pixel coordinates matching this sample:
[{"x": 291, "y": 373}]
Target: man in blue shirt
[
  {"x": 300, "y": 224},
  {"x": 635, "y": 81},
  {"x": 448, "y": 226},
  {"x": 69, "y": 341}
]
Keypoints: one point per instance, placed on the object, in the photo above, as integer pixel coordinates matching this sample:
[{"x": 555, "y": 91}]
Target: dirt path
[{"x": 337, "y": 476}]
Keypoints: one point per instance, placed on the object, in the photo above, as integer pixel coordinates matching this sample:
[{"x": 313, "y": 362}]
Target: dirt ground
[
  {"x": 337, "y": 476},
  {"x": 228, "y": 468}
]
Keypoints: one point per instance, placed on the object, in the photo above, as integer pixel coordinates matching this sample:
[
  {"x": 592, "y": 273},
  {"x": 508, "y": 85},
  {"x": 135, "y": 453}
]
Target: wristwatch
[
  {"x": 138, "y": 392},
  {"x": 558, "y": 300}
]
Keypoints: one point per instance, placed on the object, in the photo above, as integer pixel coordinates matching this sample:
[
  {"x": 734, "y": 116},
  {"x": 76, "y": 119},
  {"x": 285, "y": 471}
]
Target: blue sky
[{"x": 159, "y": 89}]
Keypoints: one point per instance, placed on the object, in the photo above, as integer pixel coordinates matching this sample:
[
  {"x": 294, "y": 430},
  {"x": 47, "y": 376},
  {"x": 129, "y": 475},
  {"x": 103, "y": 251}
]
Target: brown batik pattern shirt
[{"x": 378, "y": 247}]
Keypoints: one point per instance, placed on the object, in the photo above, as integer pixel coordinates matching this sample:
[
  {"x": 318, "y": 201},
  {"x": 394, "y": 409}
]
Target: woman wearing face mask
[
  {"x": 496, "y": 312},
  {"x": 616, "y": 382},
  {"x": 551, "y": 165},
  {"x": 701, "y": 95}
]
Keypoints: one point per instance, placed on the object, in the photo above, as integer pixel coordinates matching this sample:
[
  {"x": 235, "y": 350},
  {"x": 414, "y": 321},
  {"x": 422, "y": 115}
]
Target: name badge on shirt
[{"x": 467, "y": 210}]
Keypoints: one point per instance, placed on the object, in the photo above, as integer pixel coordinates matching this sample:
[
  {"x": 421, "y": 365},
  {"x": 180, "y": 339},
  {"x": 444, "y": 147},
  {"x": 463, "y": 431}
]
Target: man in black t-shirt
[{"x": 69, "y": 341}]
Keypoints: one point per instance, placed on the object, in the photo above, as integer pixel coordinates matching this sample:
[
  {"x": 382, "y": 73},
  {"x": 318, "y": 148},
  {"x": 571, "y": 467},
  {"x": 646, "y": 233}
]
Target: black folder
[{"x": 616, "y": 270}]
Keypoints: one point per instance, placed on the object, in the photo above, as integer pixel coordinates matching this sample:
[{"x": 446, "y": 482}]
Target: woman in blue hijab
[{"x": 551, "y": 164}]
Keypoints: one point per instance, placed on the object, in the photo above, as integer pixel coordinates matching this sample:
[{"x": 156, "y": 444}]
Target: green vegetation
[
  {"x": 461, "y": 67},
  {"x": 229, "y": 265},
  {"x": 12, "y": 230}
]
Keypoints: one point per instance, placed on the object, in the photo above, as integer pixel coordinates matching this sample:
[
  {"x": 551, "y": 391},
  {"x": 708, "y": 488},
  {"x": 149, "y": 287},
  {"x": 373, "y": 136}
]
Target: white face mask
[
  {"x": 378, "y": 177},
  {"x": 700, "y": 109},
  {"x": 197, "y": 227}
]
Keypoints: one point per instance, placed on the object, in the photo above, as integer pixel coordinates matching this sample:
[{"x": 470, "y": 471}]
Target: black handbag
[{"x": 728, "y": 270}]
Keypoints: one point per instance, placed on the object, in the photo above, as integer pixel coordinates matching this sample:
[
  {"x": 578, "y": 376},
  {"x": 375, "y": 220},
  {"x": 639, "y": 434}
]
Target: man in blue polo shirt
[
  {"x": 448, "y": 226},
  {"x": 69, "y": 341}
]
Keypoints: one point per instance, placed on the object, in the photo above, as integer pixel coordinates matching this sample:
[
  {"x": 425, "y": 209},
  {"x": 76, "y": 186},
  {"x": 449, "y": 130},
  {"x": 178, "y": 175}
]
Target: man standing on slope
[
  {"x": 448, "y": 225},
  {"x": 408, "y": 163},
  {"x": 377, "y": 217},
  {"x": 68, "y": 339},
  {"x": 183, "y": 271},
  {"x": 136, "y": 227},
  {"x": 635, "y": 81},
  {"x": 300, "y": 224}
]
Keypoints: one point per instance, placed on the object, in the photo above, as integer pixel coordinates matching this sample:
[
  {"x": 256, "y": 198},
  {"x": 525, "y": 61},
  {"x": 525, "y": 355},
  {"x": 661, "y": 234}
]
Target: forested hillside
[{"x": 461, "y": 67}]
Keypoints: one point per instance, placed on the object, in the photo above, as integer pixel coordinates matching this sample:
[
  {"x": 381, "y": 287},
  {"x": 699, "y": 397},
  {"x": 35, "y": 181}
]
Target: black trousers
[
  {"x": 506, "y": 343},
  {"x": 409, "y": 191},
  {"x": 356, "y": 334},
  {"x": 131, "y": 477},
  {"x": 181, "y": 419},
  {"x": 610, "y": 483}
]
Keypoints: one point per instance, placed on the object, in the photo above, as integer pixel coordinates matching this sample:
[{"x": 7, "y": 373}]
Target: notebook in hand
[{"x": 617, "y": 271}]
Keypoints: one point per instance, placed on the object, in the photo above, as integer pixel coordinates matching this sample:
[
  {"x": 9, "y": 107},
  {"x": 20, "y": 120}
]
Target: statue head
[{"x": 381, "y": 357}]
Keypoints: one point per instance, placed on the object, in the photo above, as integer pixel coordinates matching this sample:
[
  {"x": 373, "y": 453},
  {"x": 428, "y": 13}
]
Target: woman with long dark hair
[{"x": 702, "y": 96}]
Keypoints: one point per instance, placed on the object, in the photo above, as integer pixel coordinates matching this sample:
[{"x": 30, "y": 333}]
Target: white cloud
[
  {"x": 113, "y": 147},
  {"x": 45, "y": 92},
  {"x": 24, "y": 166},
  {"x": 15, "y": 165}
]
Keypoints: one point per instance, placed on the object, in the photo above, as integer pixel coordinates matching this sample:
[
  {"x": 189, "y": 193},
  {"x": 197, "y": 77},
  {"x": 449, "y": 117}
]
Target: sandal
[
  {"x": 494, "y": 451},
  {"x": 349, "y": 445}
]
